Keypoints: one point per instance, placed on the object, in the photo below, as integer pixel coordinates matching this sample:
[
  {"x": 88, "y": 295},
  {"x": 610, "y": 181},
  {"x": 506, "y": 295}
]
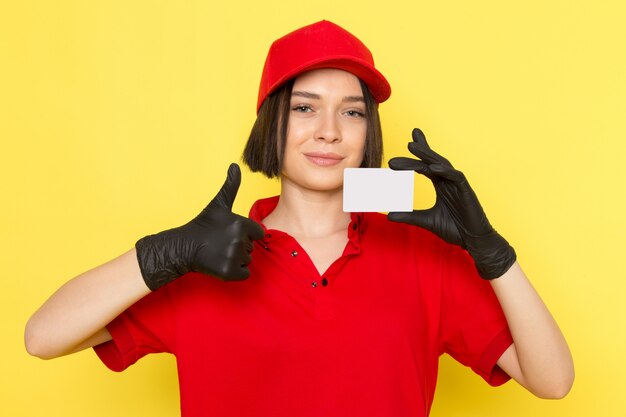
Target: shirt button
[
  {"x": 324, "y": 282},
  {"x": 314, "y": 284},
  {"x": 294, "y": 253}
]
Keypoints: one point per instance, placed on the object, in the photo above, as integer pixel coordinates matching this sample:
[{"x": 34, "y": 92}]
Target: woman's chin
[{"x": 330, "y": 184}]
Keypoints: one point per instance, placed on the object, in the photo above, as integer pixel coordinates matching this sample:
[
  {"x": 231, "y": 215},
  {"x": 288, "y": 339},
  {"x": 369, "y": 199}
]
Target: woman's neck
[{"x": 308, "y": 214}]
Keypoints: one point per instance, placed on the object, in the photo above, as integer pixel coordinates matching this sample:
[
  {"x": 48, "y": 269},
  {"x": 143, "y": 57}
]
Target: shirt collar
[{"x": 263, "y": 207}]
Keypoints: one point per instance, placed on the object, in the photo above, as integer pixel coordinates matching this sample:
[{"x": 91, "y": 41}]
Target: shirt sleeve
[
  {"x": 474, "y": 329},
  {"x": 146, "y": 327}
]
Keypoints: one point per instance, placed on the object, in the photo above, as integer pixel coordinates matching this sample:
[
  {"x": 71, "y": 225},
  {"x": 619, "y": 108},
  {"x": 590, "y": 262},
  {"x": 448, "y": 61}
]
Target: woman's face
[{"x": 326, "y": 129}]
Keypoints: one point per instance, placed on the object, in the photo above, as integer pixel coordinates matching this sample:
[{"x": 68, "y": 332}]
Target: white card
[{"x": 377, "y": 190}]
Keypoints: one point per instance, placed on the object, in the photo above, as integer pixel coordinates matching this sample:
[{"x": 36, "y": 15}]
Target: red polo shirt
[{"x": 361, "y": 339}]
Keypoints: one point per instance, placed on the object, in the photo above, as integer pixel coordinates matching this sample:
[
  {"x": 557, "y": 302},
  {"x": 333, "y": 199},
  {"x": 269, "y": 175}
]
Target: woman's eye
[
  {"x": 302, "y": 108},
  {"x": 355, "y": 113}
]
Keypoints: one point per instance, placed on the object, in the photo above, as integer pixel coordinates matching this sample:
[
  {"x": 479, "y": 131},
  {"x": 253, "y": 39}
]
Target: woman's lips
[{"x": 324, "y": 159}]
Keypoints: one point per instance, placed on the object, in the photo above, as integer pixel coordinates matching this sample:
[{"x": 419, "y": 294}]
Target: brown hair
[{"x": 266, "y": 143}]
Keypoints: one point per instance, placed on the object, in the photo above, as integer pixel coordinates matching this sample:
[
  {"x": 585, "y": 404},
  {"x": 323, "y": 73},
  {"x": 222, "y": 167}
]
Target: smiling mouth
[{"x": 323, "y": 159}]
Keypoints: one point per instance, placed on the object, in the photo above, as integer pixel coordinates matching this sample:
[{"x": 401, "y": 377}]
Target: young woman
[{"x": 331, "y": 313}]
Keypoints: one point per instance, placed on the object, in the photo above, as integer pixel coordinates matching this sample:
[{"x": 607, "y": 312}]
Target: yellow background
[{"x": 119, "y": 119}]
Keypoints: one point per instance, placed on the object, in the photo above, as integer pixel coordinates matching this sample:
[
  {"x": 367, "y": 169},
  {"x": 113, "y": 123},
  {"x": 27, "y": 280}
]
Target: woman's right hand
[{"x": 217, "y": 242}]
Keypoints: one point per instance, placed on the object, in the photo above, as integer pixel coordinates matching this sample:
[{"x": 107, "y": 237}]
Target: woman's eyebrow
[
  {"x": 306, "y": 94},
  {"x": 354, "y": 99}
]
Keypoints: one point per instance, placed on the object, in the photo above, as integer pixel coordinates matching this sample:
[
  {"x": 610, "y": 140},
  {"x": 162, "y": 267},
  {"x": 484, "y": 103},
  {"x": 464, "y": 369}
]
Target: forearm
[
  {"x": 83, "y": 307},
  {"x": 540, "y": 360}
]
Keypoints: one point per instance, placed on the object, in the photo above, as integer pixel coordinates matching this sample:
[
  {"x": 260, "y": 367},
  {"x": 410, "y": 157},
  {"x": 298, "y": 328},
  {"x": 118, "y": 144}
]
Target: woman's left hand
[{"x": 457, "y": 216}]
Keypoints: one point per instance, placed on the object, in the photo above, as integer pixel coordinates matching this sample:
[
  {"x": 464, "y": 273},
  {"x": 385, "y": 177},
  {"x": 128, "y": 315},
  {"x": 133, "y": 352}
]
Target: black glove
[
  {"x": 217, "y": 242},
  {"x": 457, "y": 216}
]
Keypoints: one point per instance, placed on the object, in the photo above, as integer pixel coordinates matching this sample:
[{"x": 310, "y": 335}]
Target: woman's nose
[{"x": 328, "y": 128}]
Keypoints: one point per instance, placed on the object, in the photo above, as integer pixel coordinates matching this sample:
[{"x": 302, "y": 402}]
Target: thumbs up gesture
[{"x": 217, "y": 242}]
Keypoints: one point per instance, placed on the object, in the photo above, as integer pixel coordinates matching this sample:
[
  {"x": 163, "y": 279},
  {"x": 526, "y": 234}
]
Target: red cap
[{"x": 320, "y": 45}]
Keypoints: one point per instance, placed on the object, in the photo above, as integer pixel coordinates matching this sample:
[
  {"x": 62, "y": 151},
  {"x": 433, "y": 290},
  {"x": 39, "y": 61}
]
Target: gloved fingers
[
  {"x": 241, "y": 271},
  {"x": 237, "y": 274},
  {"x": 248, "y": 245},
  {"x": 420, "y": 148},
  {"x": 226, "y": 195},
  {"x": 246, "y": 228},
  {"x": 254, "y": 230},
  {"x": 238, "y": 258},
  {"x": 447, "y": 172},
  {"x": 245, "y": 258},
  {"x": 431, "y": 171},
  {"x": 401, "y": 163},
  {"x": 421, "y": 218},
  {"x": 400, "y": 217}
]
